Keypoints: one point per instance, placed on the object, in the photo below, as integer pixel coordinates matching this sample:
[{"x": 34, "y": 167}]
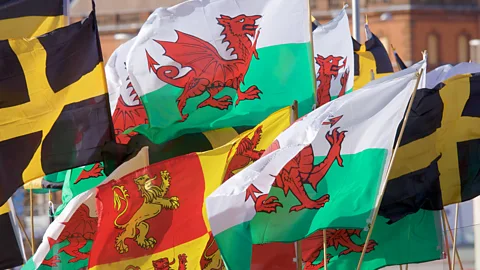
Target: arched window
[
  {"x": 463, "y": 48},
  {"x": 433, "y": 49}
]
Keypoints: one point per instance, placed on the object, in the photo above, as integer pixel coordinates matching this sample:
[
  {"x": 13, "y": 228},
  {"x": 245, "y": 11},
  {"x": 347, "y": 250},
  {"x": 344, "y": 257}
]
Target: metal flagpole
[{"x": 356, "y": 19}]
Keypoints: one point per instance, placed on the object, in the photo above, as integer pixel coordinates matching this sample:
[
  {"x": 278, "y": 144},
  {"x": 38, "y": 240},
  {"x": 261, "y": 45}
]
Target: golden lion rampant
[{"x": 153, "y": 202}]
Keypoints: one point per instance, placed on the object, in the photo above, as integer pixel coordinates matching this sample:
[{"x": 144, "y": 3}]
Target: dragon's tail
[{"x": 117, "y": 204}]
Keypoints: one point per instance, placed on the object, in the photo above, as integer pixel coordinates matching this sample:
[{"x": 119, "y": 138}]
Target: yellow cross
[
  {"x": 45, "y": 105},
  {"x": 454, "y": 128}
]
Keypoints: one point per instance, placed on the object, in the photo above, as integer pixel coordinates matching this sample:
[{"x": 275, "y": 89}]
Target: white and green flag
[
  {"x": 334, "y": 62},
  {"x": 325, "y": 171},
  {"x": 203, "y": 65}
]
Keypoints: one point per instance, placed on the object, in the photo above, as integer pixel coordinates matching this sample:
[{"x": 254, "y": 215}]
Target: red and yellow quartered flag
[{"x": 155, "y": 217}]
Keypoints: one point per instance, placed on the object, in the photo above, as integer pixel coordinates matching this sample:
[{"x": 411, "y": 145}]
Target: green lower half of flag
[
  {"x": 282, "y": 74},
  {"x": 352, "y": 189},
  {"x": 414, "y": 239}
]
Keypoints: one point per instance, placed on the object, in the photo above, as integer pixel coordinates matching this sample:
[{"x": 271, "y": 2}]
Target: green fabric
[{"x": 283, "y": 74}]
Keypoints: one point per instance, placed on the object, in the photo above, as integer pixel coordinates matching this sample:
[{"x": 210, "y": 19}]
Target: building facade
[{"x": 442, "y": 27}]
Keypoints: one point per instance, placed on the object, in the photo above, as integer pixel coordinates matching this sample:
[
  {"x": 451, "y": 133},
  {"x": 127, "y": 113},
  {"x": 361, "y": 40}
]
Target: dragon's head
[
  {"x": 240, "y": 25},
  {"x": 330, "y": 65},
  {"x": 163, "y": 264}
]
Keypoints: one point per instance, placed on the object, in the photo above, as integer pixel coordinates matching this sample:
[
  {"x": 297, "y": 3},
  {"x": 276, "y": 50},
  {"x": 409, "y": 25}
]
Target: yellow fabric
[
  {"x": 214, "y": 164},
  {"x": 454, "y": 128},
  {"x": 30, "y": 26},
  {"x": 4, "y": 209},
  {"x": 45, "y": 105},
  {"x": 220, "y": 137},
  {"x": 34, "y": 184},
  {"x": 366, "y": 64}
]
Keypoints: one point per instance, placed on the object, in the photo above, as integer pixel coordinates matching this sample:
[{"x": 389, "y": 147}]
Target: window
[
  {"x": 433, "y": 49},
  {"x": 313, "y": 4},
  {"x": 463, "y": 48}
]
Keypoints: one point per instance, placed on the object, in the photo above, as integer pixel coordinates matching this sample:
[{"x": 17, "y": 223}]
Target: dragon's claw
[
  {"x": 267, "y": 204},
  {"x": 252, "y": 93}
]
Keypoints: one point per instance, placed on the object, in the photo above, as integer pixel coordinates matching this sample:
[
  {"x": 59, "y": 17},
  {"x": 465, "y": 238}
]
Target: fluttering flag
[
  {"x": 438, "y": 157},
  {"x": 11, "y": 254},
  {"x": 30, "y": 18},
  {"x": 235, "y": 66},
  {"x": 127, "y": 108},
  {"x": 414, "y": 239},
  {"x": 54, "y": 108},
  {"x": 448, "y": 71},
  {"x": 333, "y": 158},
  {"x": 371, "y": 58},
  {"x": 400, "y": 64},
  {"x": 161, "y": 207},
  {"x": 68, "y": 240},
  {"x": 333, "y": 54}
]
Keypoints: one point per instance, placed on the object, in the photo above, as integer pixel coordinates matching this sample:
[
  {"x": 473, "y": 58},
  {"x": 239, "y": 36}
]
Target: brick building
[
  {"x": 442, "y": 27},
  {"x": 118, "y": 20}
]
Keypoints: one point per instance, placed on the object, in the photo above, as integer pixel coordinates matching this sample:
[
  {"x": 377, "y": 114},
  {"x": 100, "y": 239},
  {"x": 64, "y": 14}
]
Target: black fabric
[
  {"x": 72, "y": 52},
  {"x": 10, "y": 254},
  {"x": 400, "y": 62},
  {"x": 78, "y": 135},
  {"x": 15, "y": 155},
  {"x": 472, "y": 107},
  {"x": 411, "y": 192},
  {"x": 469, "y": 166},
  {"x": 425, "y": 116},
  {"x": 356, "y": 48},
  {"x": 10, "y": 9},
  {"x": 13, "y": 90},
  {"x": 382, "y": 60}
]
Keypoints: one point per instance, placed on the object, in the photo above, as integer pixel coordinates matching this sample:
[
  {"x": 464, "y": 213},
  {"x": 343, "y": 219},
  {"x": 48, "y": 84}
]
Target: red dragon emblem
[
  {"x": 209, "y": 72},
  {"x": 245, "y": 153},
  {"x": 299, "y": 171},
  {"x": 329, "y": 67},
  {"x": 94, "y": 172},
  {"x": 128, "y": 116},
  {"x": 78, "y": 230},
  {"x": 335, "y": 238},
  {"x": 164, "y": 263}
]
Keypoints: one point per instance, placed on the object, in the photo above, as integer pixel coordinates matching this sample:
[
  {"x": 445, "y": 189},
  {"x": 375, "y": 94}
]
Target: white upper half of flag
[
  {"x": 370, "y": 116},
  {"x": 333, "y": 48},
  {"x": 445, "y": 72},
  {"x": 200, "y": 18},
  {"x": 55, "y": 229},
  {"x": 116, "y": 74}
]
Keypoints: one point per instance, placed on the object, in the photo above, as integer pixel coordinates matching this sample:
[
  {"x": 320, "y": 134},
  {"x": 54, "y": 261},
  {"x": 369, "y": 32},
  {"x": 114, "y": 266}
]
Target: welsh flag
[
  {"x": 155, "y": 217},
  {"x": 325, "y": 171},
  {"x": 334, "y": 62},
  {"x": 235, "y": 65}
]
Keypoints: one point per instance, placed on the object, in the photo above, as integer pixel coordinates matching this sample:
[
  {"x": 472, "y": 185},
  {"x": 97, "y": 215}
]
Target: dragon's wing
[{"x": 202, "y": 57}]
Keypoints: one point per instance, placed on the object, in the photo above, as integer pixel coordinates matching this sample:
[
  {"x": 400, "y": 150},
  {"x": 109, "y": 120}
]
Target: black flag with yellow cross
[
  {"x": 54, "y": 111},
  {"x": 438, "y": 161}
]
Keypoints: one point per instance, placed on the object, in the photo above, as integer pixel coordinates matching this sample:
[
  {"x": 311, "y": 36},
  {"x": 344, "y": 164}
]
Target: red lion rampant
[
  {"x": 164, "y": 263},
  {"x": 329, "y": 67},
  {"x": 245, "y": 153},
  {"x": 299, "y": 171},
  {"x": 335, "y": 238},
  {"x": 128, "y": 116},
  {"x": 209, "y": 71},
  {"x": 78, "y": 230}
]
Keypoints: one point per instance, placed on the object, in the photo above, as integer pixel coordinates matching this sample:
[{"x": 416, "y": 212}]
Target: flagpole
[
  {"x": 397, "y": 145},
  {"x": 325, "y": 262},
  {"x": 32, "y": 233},
  {"x": 16, "y": 228},
  {"x": 451, "y": 236},
  {"x": 298, "y": 246},
  {"x": 312, "y": 61},
  {"x": 356, "y": 19},
  {"x": 446, "y": 229},
  {"x": 457, "y": 206}
]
